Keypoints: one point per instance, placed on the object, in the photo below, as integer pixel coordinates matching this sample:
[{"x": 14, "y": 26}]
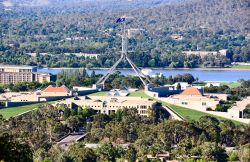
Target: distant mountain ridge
[
  {"x": 100, "y": 4},
  {"x": 230, "y": 16}
]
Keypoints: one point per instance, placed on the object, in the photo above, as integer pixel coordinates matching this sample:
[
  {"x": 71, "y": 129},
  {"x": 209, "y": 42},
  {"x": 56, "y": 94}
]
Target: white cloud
[
  {"x": 7, "y": 3},
  {"x": 42, "y": 2},
  {"x": 32, "y": 3}
]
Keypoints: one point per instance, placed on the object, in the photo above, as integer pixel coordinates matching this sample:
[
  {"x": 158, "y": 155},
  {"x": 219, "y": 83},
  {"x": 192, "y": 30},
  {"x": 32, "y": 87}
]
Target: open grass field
[
  {"x": 186, "y": 113},
  {"x": 192, "y": 114},
  {"x": 241, "y": 66},
  {"x": 9, "y": 112},
  {"x": 231, "y": 84},
  {"x": 99, "y": 94},
  {"x": 132, "y": 94},
  {"x": 138, "y": 94},
  {"x": 13, "y": 111}
]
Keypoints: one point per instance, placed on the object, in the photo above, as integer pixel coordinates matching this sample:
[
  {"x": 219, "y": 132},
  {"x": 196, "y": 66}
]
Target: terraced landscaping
[
  {"x": 186, "y": 113},
  {"x": 190, "y": 114},
  {"x": 138, "y": 94},
  {"x": 10, "y": 112}
]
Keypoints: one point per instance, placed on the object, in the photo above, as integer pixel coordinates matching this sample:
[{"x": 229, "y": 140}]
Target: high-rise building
[{"x": 13, "y": 74}]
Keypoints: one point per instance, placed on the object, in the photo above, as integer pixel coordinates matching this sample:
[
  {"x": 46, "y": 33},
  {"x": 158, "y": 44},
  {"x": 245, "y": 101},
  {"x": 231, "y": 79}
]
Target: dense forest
[
  {"x": 58, "y": 6},
  {"x": 204, "y": 25},
  {"x": 33, "y": 137}
]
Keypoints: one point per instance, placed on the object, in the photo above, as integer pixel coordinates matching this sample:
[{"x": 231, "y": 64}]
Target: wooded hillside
[{"x": 204, "y": 24}]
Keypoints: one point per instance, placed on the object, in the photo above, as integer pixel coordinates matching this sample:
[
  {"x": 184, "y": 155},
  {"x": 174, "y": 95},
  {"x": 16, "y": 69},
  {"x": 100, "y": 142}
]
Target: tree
[
  {"x": 244, "y": 154},
  {"x": 151, "y": 63},
  {"x": 213, "y": 152},
  {"x": 73, "y": 122},
  {"x": 233, "y": 156},
  {"x": 130, "y": 154},
  {"x": 78, "y": 153},
  {"x": 178, "y": 86},
  {"x": 183, "y": 149},
  {"x": 210, "y": 126},
  {"x": 227, "y": 133},
  {"x": 107, "y": 152},
  {"x": 12, "y": 151},
  {"x": 66, "y": 113},
  {"x": 1, "y": 89},
  {"x": 246, "y": 112}
]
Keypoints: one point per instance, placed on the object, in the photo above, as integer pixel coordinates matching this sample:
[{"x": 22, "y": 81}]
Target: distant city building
[
  {"x": 42, "y": 77},
  {"x": 177, "y": 37},
  {"x": 108, "y": 105},
  {"x": 90, "y": 55},
  {"x": 134, "y": 32},
  {"x": 76, "y": 38},
  {"x": 202, "y": 54},
  {"x": 40, "y": 36},
  {"x": 35, "y": 54},
  {"x": 14, "y": 74}
]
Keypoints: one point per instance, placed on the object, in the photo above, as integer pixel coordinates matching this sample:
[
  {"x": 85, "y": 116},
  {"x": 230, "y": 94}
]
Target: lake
[{"x": 203, "y": 75}]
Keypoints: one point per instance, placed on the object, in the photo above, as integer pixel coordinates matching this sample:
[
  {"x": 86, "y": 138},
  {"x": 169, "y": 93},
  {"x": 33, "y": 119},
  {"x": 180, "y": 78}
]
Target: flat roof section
[{"x": 16, "y": 67}]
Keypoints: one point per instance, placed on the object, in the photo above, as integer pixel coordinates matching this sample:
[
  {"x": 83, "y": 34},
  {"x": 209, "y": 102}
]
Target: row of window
[
  {"x": 142, "y": 107},
  {"x": 143, "y": 112},
  {"x": 186, "y": 103}
]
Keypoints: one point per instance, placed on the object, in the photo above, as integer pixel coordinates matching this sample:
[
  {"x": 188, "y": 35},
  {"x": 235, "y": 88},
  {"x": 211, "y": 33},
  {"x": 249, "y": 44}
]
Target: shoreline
[{"x": 158, "y": 68}]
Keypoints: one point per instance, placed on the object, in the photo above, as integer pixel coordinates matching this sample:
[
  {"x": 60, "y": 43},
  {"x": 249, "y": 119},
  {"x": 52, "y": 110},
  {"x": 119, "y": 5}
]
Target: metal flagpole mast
[{"x": 124, "y": 57}]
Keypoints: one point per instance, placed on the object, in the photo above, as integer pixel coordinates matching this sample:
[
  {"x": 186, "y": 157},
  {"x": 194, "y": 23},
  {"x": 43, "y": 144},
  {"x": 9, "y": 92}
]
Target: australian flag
[{"x": 120, "y": 20}]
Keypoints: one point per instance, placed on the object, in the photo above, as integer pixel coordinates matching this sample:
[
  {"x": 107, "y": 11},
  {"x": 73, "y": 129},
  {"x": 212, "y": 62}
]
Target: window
[
  {"x": 184, "y": 103},
  {"x": 204, "y": 103}
]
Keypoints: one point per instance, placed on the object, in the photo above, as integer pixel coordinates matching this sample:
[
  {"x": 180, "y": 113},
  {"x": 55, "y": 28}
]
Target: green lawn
[
  {"x": 132, "y": 94},
  {"x": 231, "y": 84},
  {"x": 99, "y": 94},
  {"x": 186, "y": 113},
  {"x": 13, "y": 111},
  {"x": 138, "y": 94},
  {"x": 190, "y": 114},
  {"x": 241, "y": 66}
]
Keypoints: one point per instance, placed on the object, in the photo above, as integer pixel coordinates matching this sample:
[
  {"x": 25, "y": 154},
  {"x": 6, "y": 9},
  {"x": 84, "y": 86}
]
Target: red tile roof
[
  {"x": 191, "y": 91},
  {"x": 51, "y": 88}
]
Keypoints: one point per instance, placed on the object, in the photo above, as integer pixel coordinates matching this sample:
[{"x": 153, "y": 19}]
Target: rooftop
[
  {"x": 191, "y": 91},
  {"x": 51, "y": 88},
  {"x": 17, "y": 66},
  {"x": 114, "y": 100}
]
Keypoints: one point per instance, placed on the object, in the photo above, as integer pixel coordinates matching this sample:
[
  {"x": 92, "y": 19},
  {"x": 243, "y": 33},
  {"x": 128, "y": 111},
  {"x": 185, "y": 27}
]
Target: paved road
[{"x": 69, "y": 140}]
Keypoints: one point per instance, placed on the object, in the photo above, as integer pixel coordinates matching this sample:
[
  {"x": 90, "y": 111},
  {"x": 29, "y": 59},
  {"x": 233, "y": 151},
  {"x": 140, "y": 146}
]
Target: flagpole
[{"x": 101, "y": 81}]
